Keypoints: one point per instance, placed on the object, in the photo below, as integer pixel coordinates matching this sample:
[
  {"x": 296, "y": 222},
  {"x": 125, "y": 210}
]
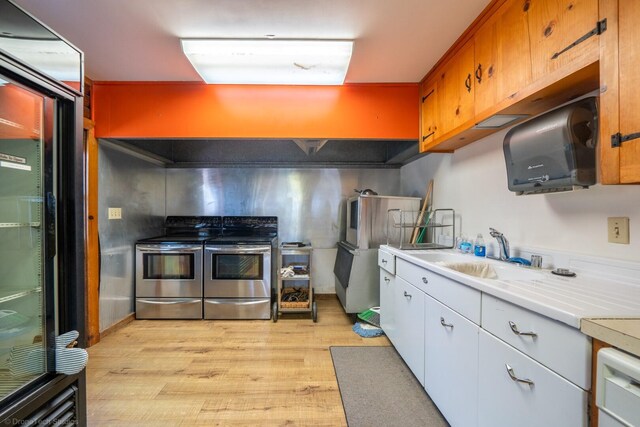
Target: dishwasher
[{"x": 618, "y": 388}]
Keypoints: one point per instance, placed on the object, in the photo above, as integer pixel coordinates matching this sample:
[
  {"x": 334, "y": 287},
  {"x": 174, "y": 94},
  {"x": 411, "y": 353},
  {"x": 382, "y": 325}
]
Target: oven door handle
[
  {"x": 169, "y": 302},
  {"x": 238, "y": 249},
  {"x": 167, "y": 248}
]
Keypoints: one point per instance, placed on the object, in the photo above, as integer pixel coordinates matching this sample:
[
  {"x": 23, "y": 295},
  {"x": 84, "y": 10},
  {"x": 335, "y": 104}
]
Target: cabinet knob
[
  {"x": 515, "y": 330},
  {"x": 424, "y": 280},
  {"x": 386, "y": 279},
  {"x": 407, "y": 295},
  {"x": 384, "y": 261}
]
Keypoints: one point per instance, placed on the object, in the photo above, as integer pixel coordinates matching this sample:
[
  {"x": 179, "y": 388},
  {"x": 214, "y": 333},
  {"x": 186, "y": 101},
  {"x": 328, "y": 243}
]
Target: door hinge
[
  {"x": 617, "y": 139},
  {"x": 601, "y": 27},
  {"x": 427, "y": 95}
]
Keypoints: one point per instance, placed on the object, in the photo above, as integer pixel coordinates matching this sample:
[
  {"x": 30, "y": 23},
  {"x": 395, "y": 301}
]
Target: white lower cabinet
[
  {"x": 515, "y": 390},
  {"x": 387, "y": 312},
  {"x": 484, "y": 361},
  {"x": 409, "y": 321},
  {"x": 451, "y": 363}
]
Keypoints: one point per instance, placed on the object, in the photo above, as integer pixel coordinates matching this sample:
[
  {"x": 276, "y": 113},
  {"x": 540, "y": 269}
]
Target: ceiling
[{"x": 123, "y": 40}]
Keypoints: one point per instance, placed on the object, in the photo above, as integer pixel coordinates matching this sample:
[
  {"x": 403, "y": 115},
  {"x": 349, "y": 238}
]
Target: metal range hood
[{"x": 192, "y": 153}]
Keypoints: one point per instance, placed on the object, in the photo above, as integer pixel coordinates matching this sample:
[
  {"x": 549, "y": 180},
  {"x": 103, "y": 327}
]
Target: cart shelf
[{"x": 295, "y": 258}]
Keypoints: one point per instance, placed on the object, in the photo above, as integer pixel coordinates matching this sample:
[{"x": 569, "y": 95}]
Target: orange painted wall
[{"x": 195, "y": 110}]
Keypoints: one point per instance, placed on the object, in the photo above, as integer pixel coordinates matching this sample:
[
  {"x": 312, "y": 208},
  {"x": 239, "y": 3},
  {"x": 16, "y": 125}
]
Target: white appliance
[{"x": 618, "y": 388}]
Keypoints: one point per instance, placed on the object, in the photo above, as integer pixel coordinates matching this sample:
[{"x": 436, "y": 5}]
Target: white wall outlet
[
  {"x": 115, "y": 213},
  {"x": 618, "y": 230}
]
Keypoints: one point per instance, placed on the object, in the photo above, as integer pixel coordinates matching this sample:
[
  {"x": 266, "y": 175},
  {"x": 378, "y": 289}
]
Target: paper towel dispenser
[{"x": 554, "y": 151}]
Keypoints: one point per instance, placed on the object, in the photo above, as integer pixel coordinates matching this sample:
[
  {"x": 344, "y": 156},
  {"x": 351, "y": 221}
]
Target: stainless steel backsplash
[
  {"x": 310, "y": 203},
  {"x": 138, "y": 187}
]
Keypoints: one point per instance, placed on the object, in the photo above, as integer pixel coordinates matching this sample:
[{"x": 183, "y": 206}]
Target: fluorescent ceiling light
[{"x": 291, "y": 62}]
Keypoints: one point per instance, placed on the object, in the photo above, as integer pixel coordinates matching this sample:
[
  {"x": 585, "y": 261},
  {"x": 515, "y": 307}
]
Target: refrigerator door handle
[{"x": 50, "y": 222}]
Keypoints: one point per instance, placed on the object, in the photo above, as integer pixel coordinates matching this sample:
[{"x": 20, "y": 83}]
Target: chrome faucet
[{"x": 503, "y": 243}]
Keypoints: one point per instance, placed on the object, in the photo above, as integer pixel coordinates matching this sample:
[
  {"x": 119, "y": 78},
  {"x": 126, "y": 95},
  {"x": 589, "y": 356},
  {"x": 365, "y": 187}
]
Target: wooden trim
[
  {"x": 596, "y": 345},
  {"x": 88, "y": 124},
  {"x": 116, "y": 327},
  {"x": 467, "y": 35},
  {"x": 92, "y": 242}
]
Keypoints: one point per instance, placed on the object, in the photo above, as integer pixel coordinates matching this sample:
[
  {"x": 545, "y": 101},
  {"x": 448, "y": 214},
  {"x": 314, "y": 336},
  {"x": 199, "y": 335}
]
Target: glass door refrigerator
[{"x": 41, "y": 221}]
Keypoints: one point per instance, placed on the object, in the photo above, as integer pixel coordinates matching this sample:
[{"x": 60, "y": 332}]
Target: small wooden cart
[{"x": 295, "y": 288}]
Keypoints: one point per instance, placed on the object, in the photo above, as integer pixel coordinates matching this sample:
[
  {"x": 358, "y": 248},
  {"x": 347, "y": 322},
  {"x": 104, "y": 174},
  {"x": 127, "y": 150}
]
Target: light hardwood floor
[{"x": 221, "y": 373}]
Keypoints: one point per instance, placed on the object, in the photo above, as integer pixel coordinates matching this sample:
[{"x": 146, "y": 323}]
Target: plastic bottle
[
  {"x": 465, "y": 245},
  {"x": 479, "y": 248}
]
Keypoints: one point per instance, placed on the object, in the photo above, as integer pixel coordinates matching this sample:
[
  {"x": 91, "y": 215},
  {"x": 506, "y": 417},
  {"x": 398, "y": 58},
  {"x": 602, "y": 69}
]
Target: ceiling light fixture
[{"x": 249, "y": 61}]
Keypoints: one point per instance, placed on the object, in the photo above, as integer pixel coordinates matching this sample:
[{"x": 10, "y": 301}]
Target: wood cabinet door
[
  {"x": 629, "y": 89},
  {"x": 428, "y": 114},
  {"x": 409, "y": 318},
  {"x": 451, "y": 363},
  {"x": 553, "y": 26},
  {"x": 502, "y": 55},
  {"x": 456, "y": 94}
]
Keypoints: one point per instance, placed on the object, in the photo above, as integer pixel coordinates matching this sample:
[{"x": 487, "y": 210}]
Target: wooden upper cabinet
[
  {"x": 620, "y": 95},
  {"x": 456, "y": 90},
  {"x": 429, "y": 113},
  {"x": 558, "y": 31},
  {"x": 502, "y": 56},
  {"x": 629, "y": 57}
]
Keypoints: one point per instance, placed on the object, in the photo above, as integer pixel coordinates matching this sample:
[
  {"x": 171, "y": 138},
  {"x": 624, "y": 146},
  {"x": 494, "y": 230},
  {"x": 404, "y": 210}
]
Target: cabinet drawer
[
  {"x": 387, "y": 261},
  {"x": 459, "y": 297},
  {"x": 558, "y": 346},
  {"x": 504, "y": 401}
]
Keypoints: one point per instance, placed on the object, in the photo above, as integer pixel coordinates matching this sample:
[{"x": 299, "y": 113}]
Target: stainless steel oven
[
  {"x": 237, "y": 281},
  {"x": 169, "y": 281}
]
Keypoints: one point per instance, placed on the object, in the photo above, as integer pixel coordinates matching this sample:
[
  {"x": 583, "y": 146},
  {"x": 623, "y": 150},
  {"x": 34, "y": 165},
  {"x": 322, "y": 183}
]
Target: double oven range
[{"x": 207, "y": 267}]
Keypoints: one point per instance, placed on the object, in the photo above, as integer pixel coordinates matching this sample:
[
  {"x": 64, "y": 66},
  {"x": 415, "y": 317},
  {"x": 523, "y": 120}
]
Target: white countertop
[{"x": 566, "y": 299}]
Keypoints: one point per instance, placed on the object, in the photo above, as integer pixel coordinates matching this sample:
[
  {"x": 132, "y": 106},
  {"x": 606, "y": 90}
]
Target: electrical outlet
[
  {"x": 618, "y": 230},
  {"x": 115, "y": 213}
]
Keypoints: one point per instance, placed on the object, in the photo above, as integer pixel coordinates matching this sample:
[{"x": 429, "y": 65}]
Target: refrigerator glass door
[{"x": 23, "y": 356}]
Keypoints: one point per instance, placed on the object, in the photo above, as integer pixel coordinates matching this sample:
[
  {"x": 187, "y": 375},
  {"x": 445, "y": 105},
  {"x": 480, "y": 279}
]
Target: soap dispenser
[{"x": 479, "y": 248}]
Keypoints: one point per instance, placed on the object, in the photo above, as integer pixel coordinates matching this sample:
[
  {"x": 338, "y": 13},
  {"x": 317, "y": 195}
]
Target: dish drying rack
[{"x": 432, "y": 229}]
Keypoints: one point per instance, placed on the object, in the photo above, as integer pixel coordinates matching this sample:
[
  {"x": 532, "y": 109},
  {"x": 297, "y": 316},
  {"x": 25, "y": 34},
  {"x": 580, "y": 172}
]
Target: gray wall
[
  {"x": 138, "y": 187},
  {"x": 310, "y": 203}
]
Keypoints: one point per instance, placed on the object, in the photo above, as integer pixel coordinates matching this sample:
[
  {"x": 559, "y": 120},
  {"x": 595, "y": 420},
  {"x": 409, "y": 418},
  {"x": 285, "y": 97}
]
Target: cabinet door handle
[
  {"x": 446, "y": 325},
  {"x": 516, "y": 379},
  {"x": 384, "y": 261},
  {"x": 515, "y": 330},
  {"x": 424, "y": 280},
  {"x": 479, "y": 73},
  {"x": 407, "y": 295},
  {"x": 386, "y": 279},
  {"x": 467, "y": 82}
]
